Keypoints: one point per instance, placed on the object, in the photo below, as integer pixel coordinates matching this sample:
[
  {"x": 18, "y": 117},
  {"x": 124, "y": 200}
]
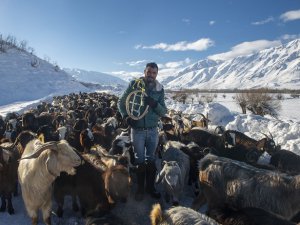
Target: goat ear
[
  {"x": 41, "y": 137},
  {"x": 110, "y": 200},
  {"x": 51, "y": 164},
  {"x": 160, "y": 176}
]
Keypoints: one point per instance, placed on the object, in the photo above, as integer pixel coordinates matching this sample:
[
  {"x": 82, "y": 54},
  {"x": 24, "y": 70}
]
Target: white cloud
[
  {"x": 290, "y": 36},
  {"x": 245, "y": 48},
  {"x": 177, "y": 63},
  {"x": 186, "y": 20},
  {"x": 268, "y": 20},
  {"x": 290, "y": 15},
  {"x": 199, "y": 45},
  {"x": 136, "y": 63},
  {"x": 212, "y": 22}
]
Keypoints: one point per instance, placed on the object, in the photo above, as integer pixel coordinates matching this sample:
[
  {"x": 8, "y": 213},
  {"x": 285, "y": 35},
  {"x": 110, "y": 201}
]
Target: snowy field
[{"x": 223, "y": 111}]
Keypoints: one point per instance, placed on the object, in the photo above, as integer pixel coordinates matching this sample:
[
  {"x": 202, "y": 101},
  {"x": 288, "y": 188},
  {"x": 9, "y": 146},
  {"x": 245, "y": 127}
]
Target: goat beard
[{"x": 150, "y": 83}]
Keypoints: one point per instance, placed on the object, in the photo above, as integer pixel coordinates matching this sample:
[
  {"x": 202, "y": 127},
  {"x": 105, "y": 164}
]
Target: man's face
[{"x": 150, "y": 73}]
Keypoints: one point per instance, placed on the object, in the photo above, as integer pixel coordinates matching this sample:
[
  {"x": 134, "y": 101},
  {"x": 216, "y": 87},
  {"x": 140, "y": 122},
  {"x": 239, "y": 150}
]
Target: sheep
[
  {"x": 39, "y": 166},
  {"x": 226, "y": 181},
  {"x": 178, "y": 215},
  {"x": 172, "y": 152}
]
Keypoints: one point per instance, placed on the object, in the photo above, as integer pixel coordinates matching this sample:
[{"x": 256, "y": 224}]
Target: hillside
[{"x": 22, "y": 81}]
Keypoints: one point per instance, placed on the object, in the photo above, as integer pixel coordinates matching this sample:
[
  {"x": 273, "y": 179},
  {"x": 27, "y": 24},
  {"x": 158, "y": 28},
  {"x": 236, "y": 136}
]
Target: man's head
[{"x": 150, "y": 72}]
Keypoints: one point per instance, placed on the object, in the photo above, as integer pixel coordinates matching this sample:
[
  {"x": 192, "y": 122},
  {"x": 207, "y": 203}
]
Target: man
[{"x": 144, "y": 131}]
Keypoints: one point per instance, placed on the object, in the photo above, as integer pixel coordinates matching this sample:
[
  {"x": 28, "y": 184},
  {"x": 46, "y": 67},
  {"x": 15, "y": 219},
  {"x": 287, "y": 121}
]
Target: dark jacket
[{"x": 152, "y": 117}]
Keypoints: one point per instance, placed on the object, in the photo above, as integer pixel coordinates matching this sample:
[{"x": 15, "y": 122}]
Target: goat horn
[
  {"x": 105, "y": 154},
  {"x": 48, "y": 145},
  {"x": 271, "y": 135},
  {"x": 12, "y": 145},
  {"x": 204, "y": 117},
  {"x": 265, "y": 135}
]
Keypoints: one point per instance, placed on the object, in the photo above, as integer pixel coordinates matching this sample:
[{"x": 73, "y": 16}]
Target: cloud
[
  {"x": 268, "y": 20},
  {"x": 212, "y": 22},
  {"x": 136, "y": 63},
  {"x": 245, "y": 48},
  {"x": 290, "y": 36},
  {"x": 186, "y": 20},
  {"x": 290, "y": 15},
  {"x": 177, "y": 64},
  {"x": 199, "y": 45}
]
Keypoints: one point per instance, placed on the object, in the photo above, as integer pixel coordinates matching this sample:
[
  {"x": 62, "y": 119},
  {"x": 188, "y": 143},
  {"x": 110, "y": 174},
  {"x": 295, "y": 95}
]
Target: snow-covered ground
[{"x": 223, "y": 111}]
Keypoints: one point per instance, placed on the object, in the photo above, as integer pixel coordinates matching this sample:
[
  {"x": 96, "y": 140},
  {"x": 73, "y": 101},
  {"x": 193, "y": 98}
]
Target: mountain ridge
[{"x": 277, "y": 67}]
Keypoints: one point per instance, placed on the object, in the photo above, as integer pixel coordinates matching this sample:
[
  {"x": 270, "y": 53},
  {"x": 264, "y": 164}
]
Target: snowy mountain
[{"x": 277, "y": 67}]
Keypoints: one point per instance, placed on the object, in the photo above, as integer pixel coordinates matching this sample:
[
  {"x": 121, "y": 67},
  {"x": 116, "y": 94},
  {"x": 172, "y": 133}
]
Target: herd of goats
[{"x": 78, "y": 145}]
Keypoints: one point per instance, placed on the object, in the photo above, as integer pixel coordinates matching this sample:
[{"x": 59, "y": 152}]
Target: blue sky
[{"x": 122, "y": 35}]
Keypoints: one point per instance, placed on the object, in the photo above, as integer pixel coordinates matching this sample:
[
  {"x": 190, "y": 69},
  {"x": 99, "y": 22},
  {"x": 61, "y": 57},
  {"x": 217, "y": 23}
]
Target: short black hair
[{"x": 152, "y": 65}]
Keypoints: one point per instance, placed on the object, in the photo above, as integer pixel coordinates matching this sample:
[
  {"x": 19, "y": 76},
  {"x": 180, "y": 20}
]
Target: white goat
[
  {"x": 38, "y": 168},
  {"x": 179, "y": 215}
]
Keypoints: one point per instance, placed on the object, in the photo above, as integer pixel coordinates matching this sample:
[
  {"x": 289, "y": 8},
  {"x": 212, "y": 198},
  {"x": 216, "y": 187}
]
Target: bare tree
[
  {"x": 241, "y": 100},
  {"x": 259, "y": 102},
  {"x": 23, "y": 45}
]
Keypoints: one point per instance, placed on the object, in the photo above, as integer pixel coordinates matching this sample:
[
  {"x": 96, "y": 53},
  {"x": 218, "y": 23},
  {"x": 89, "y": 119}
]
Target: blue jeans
[{"x": 144, "y": 144}]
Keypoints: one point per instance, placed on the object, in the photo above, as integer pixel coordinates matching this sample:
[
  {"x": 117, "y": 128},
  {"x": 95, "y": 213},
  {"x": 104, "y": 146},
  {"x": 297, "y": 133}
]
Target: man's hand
[
  {"x": 128, "y": 121},
  {"x": 151, "y": 102}
]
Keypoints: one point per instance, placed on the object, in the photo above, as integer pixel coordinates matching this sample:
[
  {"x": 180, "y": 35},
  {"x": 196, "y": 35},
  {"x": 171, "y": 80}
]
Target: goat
[
  {"x": 39, "y": 166},
  {"x": 203, "y": 122},
  {"x": 95, "y": 185},
  {"x": 246, "y": 216},
  {"x": 180, "y": 170},
  {"x": 226, "y": 181},
  {"x": 286, "y": 161},
  {"x": 234, "y": 137},
  {"x": 96, "y": 218},
  {"x": 203, "y": 138},
  {"x": 8, "y": 177},
  {"x": 179, "y": 215}
]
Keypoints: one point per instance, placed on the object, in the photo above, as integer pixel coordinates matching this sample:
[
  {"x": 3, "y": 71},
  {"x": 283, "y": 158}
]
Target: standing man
[{"x": 144, "y": 131}]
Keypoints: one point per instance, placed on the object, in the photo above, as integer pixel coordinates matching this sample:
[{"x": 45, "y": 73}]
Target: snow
[
  {"x": 277, "y": 67},
  {"x": 23, "y": 86},
  {"x": 286, "y": 132}
]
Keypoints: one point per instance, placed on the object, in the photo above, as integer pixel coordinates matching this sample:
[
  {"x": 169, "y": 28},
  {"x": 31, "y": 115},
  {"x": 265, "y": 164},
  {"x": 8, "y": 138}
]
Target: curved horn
[
  {"x": 100, "y": 151},
  {"x": 48, "y": 145},
  {"x": 204, "y": 117},
  {"x": 265, "y": 135},
  {"x": 271, "y": 135}
]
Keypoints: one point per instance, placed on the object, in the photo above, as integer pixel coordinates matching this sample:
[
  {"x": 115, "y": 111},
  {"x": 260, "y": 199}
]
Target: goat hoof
[
  {"x": 2, "y": 209},
  {"x": 175, "y": 203},
  {"x": 11, "y": 211},
  {"x": 59, "y": 212},
  {"x": 75, "y": 207}
]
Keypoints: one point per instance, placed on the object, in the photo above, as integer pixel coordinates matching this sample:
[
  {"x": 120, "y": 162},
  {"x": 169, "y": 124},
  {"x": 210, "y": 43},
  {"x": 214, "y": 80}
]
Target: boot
[
  {"x": 140, "y": 175},
  {"x": 150, "y": 180}
]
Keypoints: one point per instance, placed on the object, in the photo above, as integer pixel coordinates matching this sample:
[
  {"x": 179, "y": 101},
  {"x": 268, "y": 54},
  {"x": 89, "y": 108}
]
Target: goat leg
[
  {"x": 10, "y": 208},
  {"x": 3, "y": 203},
  {"x": 199, "y": 201}
]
